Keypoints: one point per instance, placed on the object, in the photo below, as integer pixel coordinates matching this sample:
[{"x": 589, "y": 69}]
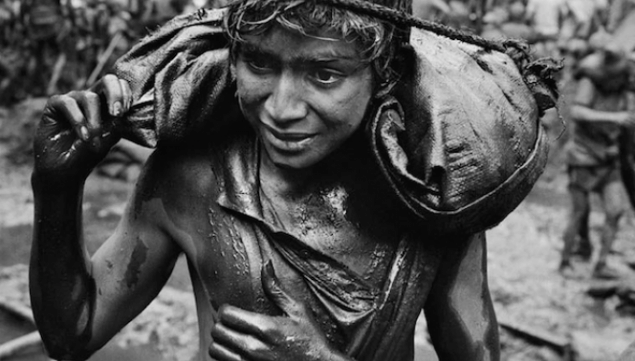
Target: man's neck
[{"x": 292, "y": 183}]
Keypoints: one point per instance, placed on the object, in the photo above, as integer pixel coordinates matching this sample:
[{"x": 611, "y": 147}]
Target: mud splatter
[{"x": 139, "y": 255}]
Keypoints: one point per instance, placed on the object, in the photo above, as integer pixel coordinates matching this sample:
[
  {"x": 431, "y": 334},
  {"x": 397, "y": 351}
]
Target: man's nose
[{"x": 286, "y": 101}]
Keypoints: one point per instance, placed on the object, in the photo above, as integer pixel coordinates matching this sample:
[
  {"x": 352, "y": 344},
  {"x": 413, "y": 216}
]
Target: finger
[
  {"x": 243, "y": 344},
  {"x": 275, "y": 291},
  {"x": 90, "y": 105},
  {"x": 127, "y": 95},
  {"x": 77, "y": 144},
  {"x": 114, "y": 94},
  {"x": 222, "y": 353},
  {"x": 64, "y": 109},
  {"x": 259, "y": 325}
]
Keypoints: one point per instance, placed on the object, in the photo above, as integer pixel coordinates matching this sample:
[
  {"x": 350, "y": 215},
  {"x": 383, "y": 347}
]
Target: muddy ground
[{"x": 542, "y": 313}]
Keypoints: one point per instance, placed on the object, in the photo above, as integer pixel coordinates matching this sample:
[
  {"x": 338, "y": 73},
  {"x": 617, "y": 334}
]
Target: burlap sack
[
  {"x": 469, "y": 145},
  {"x": 460, "y": 143}
]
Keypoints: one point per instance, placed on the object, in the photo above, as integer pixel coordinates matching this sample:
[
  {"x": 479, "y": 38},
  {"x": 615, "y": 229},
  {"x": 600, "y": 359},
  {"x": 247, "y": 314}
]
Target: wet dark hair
[
  {"x": 378, "y": 40},
  {"x": 382, "y": 28}
]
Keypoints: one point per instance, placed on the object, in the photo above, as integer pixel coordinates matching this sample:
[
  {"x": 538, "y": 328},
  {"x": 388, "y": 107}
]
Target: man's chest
[
  {"x": 346, "y": 294},
  {"x": 227, "y": 248},
  {"x": 349, "y": 228},
  {"x": 340, "y": 243},
  {"x": 227, "y": 255}
]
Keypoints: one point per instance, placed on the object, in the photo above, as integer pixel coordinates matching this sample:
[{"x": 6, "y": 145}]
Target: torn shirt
[{"x": 366, "y": 320}]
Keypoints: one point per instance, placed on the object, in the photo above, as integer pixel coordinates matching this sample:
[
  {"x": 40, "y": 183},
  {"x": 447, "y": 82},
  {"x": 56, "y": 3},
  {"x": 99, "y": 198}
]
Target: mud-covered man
[{"x": 297, "y": 249}]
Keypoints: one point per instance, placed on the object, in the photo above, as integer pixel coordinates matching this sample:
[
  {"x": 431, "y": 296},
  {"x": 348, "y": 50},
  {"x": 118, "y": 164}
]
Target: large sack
[
  {"x": 460, "y": 143},
  {"x": 183, "y": 63},
  {"x": 470, "y": 146}
]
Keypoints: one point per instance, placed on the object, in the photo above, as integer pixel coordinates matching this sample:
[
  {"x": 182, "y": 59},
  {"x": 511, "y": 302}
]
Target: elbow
[
  {"x": 62, "y": 338},
  {"x": 63, "y": 312},
  {"x": 65, "y": 345},
  {"x": 68, "y": 355}
]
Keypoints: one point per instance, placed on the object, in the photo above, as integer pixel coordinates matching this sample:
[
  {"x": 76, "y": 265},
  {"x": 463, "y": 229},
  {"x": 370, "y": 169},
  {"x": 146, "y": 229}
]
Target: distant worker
[
  {"x": 546, "y": 17},
  {"x": 601, "y": 111}
]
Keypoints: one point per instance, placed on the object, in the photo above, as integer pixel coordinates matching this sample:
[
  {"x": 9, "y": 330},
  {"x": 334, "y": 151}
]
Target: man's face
[{"x": 304, "y": 96}]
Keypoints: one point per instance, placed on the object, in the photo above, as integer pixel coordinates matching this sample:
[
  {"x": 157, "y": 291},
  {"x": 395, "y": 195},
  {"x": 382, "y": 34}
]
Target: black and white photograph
[{"x": 317, "y": 180}]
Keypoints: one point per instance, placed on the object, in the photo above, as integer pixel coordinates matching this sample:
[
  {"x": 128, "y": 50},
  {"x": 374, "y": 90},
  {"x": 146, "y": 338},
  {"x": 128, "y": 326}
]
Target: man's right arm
[
  {"x": 459, "y": 310},
  {"x": 581, "y": 111},
  {"x": 80, "y": 303}
]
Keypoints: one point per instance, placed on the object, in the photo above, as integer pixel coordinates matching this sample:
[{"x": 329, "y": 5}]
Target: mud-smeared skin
[
  {"x": 74, "y": 287},
  {"x": 137, "y": 259},
  {"x": 461, "y": 311},
  {"x": 339, "y": 203},
  {"x": 315, "y": 183}
]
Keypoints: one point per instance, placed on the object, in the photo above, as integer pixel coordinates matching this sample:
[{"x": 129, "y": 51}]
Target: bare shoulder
[{"x": 177, "y": 175}]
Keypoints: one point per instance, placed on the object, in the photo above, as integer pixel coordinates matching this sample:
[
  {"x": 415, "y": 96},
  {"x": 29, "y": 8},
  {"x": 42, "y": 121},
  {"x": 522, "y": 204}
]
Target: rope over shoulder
[{"x": 403, "y": 19}]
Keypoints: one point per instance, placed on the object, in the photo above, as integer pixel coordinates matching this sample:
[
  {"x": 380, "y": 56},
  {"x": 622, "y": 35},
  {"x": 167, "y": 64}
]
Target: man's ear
[
  {"x": 401, "y": 64},
  {"x": 234, "y": 48},
  {"x": 383, "y": 87}
]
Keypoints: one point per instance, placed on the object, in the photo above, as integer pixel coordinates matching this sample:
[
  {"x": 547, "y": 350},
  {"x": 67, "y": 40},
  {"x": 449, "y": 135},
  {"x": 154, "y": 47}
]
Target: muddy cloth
[
  {"x": 460, "y": 143},
  {"x": 593, "y": 179},
  {"x": 370, "y": 316}
]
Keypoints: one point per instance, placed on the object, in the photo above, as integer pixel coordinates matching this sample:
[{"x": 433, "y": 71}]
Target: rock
[
  {"x": 628, "y": 354},
  {"x": 169, "y": 323},
  {"x": 598, "y": 346},
  {"x": 131, "y": 173},
  {"x": 111, "y": 170},
  {"x": 547, "y": 354}
]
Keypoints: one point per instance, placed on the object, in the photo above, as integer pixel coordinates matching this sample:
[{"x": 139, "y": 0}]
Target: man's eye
[
  {"x": 326, "y": 76},
  {"x": 259, "y": 65}
]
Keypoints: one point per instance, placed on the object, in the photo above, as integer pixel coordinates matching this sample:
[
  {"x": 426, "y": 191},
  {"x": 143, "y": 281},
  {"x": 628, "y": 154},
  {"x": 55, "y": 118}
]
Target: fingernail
[
  {"x": 84, "y": 133},
  {"x": 116, "y": 109}
]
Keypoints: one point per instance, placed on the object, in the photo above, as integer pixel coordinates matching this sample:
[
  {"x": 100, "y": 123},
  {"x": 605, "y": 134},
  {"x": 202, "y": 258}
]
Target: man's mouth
[{"x": 287, "y": 141}]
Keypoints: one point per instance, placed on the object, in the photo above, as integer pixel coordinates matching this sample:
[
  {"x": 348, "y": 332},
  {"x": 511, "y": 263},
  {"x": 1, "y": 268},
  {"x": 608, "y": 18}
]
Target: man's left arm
[{"x": 459, "y": 310}]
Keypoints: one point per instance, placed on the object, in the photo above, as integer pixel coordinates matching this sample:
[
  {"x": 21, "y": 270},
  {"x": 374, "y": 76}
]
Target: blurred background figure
[
  {"x": 602, "y": 111},
  {"x": 546, "y": 17},
  {"x": 507, "y": 21},
  {"x": 430, "y": 9}
]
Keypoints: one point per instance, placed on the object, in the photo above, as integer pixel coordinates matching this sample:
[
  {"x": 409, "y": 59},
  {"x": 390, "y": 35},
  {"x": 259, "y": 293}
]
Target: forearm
[
  {"x": 62, "y": 290},
  {"x": 584, "y": 114},
  {"x": 457, "y": 338},
  {"x": 460, "y": 313}
]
